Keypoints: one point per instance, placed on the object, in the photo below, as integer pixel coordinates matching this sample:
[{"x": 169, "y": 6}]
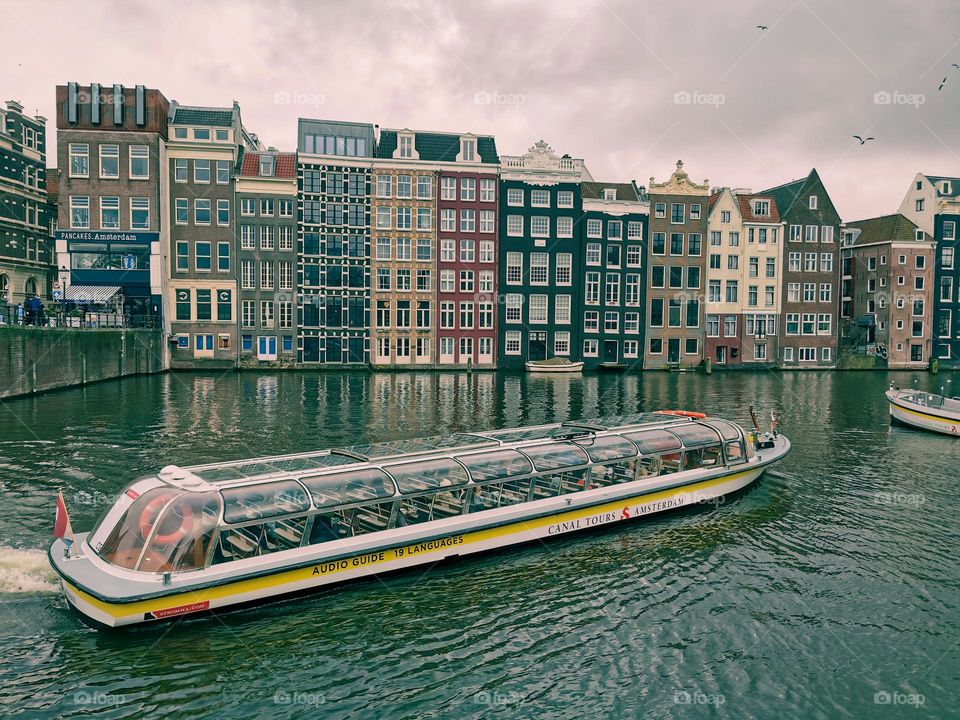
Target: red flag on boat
[{"x": 61, "y": 523}]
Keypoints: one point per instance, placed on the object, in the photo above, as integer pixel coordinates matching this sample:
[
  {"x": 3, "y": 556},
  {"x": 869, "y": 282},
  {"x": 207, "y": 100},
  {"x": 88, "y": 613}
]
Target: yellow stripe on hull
[
  {"x": 234, "y": 592},
  {"x": 949, "y": 425}
]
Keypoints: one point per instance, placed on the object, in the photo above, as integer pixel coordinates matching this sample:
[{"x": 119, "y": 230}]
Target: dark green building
[
  {"x": 612, "y": 285},
  {"x": 540, "y": 256}
]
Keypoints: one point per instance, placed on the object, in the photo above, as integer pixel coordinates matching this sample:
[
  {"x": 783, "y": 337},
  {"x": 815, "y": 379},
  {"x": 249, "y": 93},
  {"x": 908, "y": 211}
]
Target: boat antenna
[{"x": 753, "y": 416}]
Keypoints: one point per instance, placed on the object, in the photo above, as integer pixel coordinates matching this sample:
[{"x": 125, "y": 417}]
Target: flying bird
[
  {"x": 761, "y": 27},
  {"x": 942, "y": 83},
  {"x": 956, "y": 66},
  {"x": 862, "y": 140}
]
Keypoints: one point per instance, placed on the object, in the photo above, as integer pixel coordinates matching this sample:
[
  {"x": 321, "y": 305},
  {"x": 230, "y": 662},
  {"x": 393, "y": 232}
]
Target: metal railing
[{"x": 60, "y": 317}]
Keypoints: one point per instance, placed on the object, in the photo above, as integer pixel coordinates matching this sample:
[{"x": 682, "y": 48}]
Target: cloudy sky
[{"x": 629, "y": 86}]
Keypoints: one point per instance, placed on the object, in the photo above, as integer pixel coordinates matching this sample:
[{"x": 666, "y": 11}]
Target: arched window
[{"x": 30, "y": 287}]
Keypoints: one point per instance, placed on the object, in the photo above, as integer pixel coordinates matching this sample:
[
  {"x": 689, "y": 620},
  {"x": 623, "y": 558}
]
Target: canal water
[{"x": 828, "y": 590}]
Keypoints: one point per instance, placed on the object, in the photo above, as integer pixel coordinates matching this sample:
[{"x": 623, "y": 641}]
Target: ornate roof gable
[{"x": 679, "y": 184}]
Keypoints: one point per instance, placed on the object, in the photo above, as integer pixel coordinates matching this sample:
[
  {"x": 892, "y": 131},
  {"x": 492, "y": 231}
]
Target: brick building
[
  {"x": 203, "y": 147},
  {"x": 810, "y": 274},
  {"x": 110, "y": 143},
  {"x": 678, "y": 225},
  {"x": 26, "y": 256},
  {"x": 266, "y": 190},
  {"x": 888, "y": 276}
]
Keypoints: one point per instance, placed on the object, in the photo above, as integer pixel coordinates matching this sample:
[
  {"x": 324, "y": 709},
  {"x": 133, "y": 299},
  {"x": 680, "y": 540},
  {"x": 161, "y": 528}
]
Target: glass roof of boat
[
  {"x": 248, "y": 469},
  {"x": 496, "y": 465},
  {"x": 695, "y": 435},
  {"x": 416, "y": 445},
  {"x": 644, "y": 418},
  {"x": 348, "y": 487},
  {"x": 556, "y": 456},
  {"x": 609, "y": 447}
]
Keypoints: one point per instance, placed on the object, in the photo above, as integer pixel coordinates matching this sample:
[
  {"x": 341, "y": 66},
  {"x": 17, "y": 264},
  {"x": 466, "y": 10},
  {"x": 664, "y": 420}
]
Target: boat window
[
  {"x": 493, "y": 495},
  {"x": 351, "y": 486},
  {"x": 613, "y": 474},
  {"x": 255, "y": 539},
  {"x": 372, "y": 518},
  {"x": 414, "y": 477},
  {"x": 253, "y": 502},
  {"x": 556, "y": 456},
  {"x": 735, "y": 454},
  {"x": 695, "y": 435},
  {"x": 649, "y": 466},
  {"x": 329, "y": 526},
  {"x": 496, "y": 465},
  {"x": 610, "y": 447},
  {"x": 728, "y": 431},
  {"x": 703, "y": 457},
  {"x": 670, "y": 463},
  {"x": 651, "y": 442},
  {"x": 179, "y": 530},
  {"x": 561, "y": 483},
  {"x": 186, "y": 528},
  {"x": 423, "y": 508}
]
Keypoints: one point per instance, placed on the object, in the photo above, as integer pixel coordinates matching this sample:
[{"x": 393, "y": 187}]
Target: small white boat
[
  {"x": 554, "y": 365},
  {"x": 924, "y": 410},
  {"x": 211, "y": 537}
]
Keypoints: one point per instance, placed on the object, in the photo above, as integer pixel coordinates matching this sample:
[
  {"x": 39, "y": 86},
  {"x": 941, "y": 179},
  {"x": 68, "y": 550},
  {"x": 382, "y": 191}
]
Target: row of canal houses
[{"x": 402, "y": 248}]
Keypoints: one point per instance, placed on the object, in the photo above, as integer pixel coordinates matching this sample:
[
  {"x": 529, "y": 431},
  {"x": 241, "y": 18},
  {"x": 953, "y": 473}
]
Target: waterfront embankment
[{"x": 34, "y": 359}]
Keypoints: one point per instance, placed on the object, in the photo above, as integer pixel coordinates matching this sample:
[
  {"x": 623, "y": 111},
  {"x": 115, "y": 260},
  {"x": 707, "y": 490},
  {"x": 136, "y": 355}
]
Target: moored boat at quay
[
  {"x": 924, "y": 410},
  {"x": 209, "y": 537}
]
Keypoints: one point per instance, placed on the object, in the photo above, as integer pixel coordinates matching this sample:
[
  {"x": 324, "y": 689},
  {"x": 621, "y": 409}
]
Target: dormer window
[
  {"x": 609, "y": 194},
  {"x": 468, "y": 150},
  {"x": 945, "y": 187},
  {"x": 266, "y": 166},
  {"x": 405, "y": 146},
  {"x": 813, "y": 202},
  {"x": 762, "y": 207}
]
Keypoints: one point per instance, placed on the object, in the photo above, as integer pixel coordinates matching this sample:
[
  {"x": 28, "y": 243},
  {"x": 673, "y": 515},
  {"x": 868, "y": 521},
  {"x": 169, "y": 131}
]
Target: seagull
[
  {"x": 862, "y": 140},
  {"x": 956, "y": 66},
  {"x": 942, "y": 83},
  {"x": 761, "y": 27}
]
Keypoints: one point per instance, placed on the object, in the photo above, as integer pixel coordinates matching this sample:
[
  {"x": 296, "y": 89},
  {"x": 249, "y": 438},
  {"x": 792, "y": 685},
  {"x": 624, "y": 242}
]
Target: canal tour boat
[
  {"x": 924, "y": 410},
  {"x": 210, "y": 537}
]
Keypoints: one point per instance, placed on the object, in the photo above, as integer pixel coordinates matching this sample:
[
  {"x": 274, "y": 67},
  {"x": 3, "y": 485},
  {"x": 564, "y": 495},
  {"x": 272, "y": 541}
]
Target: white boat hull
[
  {"x": 467, "y": 535},
  {"x": 570, "y": 368},
  {"x": 921, "y": 417}
]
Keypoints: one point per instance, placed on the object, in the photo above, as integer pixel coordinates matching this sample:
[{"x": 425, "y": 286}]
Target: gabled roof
[
  {"x": 937, "y": 179},
  {"x": 713, "y": 199},
  {"x": 437, "y": 147},
  {"x": 285, "y": 165},
  {"x": 885, "y": 229},
  {"x": 746, "y": 208},
  {"x": 785, "y": 195},
  {"x": 594, "y": 191},
  {"x": 208, "y": 116}
]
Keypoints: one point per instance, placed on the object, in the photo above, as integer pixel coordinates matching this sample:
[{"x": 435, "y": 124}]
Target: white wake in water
[{"x": 25, "y": 571}]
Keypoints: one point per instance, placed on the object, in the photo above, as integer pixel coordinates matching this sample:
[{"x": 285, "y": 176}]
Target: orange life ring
[
  {"x": 149, "y": 516},
  {"x": 684, "y": 413}
]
